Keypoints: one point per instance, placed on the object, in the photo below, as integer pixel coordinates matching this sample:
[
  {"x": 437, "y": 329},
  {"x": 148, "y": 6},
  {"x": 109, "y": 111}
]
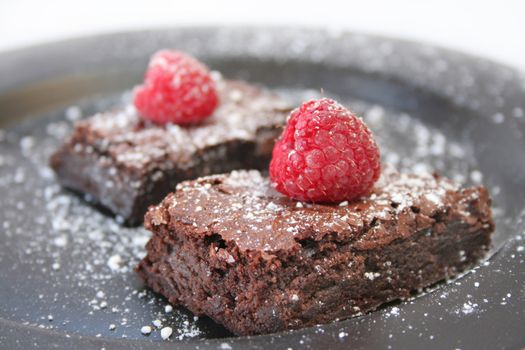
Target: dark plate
[{"x": 66, "y": 270}]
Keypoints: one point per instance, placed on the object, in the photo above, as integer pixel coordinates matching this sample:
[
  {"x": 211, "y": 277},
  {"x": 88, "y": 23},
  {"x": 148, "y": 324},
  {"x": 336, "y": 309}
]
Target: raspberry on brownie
[
  {"x": 177, "y": 88},
  {"x": 234, "y": 249},
  {"x": 127, "y": 160},
  {"x": 325, "y": 154}
]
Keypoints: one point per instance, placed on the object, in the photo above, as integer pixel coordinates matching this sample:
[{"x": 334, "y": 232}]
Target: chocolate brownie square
[
  {"x": 232, "y": 248},
  {"x": 125, "y": 163}
]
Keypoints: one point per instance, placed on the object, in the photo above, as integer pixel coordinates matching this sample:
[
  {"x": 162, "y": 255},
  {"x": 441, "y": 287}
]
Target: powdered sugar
[
  {"x": 82, "y": 260},
  {"x": 80, "y": 252},
  {"x": 240, "y": 115},
  {"x": 243, "y": 207}
]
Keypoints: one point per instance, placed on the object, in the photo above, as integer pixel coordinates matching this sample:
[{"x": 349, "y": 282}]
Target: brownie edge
[{"x": 231, "y": 248}]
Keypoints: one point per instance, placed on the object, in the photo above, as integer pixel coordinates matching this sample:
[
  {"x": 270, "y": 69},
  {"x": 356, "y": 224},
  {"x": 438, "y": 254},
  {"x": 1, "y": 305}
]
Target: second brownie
[{"x": 126, "y": 164}]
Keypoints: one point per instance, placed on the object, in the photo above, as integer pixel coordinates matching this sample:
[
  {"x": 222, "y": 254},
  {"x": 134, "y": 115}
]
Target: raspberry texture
[
  {"x": 325, "y": 154},
  {"x": 177, "y": 89}
]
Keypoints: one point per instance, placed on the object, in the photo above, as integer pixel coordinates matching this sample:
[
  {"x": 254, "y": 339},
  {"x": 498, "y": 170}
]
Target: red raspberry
[
  {"x": 325, "y": 154},
  {"x": 177, "y": 88}
]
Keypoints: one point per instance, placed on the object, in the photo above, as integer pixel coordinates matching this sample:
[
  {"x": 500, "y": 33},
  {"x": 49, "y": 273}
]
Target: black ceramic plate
[{"x": 66, "y": 276}]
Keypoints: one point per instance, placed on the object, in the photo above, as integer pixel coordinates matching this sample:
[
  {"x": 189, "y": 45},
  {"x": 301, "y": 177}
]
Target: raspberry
[
  {"x": 325, "y": 154},
  {"x": 177, "y": 88}
]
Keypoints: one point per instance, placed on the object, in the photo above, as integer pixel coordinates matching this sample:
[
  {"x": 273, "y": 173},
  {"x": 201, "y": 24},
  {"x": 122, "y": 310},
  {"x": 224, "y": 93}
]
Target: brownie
[
  {"x": 230, "y": 247},
  {"x": 125, "y": 164}
]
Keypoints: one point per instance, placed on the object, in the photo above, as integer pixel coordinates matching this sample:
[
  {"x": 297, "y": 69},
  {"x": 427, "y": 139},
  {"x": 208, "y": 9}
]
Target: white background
[{"x": 494, "y": 29}]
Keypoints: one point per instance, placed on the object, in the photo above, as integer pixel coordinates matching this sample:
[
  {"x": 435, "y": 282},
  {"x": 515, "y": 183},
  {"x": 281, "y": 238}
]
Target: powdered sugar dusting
[
  {"x": 82, "y": 260},
  {"x": 244, "y": 110},
  {"x": 245, "y": 208},
  {"x": 80, "y": 251}
]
